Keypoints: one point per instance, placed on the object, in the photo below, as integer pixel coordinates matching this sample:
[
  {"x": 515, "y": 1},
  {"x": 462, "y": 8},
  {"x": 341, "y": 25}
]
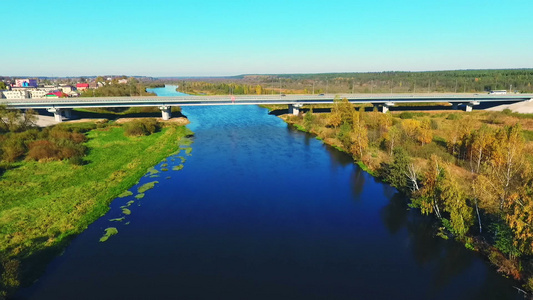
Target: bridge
[{"x": 60, "y": 106}]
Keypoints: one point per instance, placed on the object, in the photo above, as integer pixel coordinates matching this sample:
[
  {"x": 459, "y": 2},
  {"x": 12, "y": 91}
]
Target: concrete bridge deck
[{"x": 64, "y": 105}]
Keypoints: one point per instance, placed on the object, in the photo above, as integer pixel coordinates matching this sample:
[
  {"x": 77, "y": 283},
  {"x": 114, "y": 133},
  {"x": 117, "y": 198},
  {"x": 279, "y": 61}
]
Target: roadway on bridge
[{"x": 257, "y": 99}]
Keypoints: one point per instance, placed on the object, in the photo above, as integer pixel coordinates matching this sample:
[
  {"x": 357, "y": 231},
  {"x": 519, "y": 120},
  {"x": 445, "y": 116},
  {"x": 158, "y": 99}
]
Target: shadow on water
[{"x": 452, "y": 264}]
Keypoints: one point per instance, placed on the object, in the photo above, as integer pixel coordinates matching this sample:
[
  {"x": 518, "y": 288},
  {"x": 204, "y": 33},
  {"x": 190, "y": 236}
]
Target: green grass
[
  {"x": 528, "y": 135},
  {"x": 42, "y": 204}
]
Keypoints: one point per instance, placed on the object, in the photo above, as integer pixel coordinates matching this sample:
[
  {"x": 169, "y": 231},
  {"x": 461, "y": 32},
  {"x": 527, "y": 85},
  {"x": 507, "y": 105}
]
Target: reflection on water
[{"x": 260, "y": 211}]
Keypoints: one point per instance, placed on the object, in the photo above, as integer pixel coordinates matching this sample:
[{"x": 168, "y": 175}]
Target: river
[{"x": 261, "y": 211}]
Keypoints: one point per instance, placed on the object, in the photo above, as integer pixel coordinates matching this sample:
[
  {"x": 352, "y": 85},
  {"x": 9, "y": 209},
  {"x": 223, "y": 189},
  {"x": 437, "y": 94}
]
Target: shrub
[
  {"x": 42, "y": 149},
  {"x": 76, "y": 160},
  {"x": 406, "y": 115},
  {"x": 141, "y": 127},
  {"x": 454, "y": 117},
  {"x": 435, "y": 124},
  {"x": 12, "y": 149}
]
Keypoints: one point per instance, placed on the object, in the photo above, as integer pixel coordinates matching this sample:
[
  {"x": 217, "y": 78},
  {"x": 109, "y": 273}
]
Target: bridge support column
[
  {"x": 470, "y": 106},
  {"x": 294, "y": 109},
  {"x": 165, "y": 112},
  {"x": 386, "y": 106},
  {"x": 57, "y": 113}
]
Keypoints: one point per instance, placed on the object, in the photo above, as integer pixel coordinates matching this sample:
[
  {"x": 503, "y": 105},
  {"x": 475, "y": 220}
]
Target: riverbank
[
  {"x": 429, "y": 156},
  {"x": 45, "y": 204}
]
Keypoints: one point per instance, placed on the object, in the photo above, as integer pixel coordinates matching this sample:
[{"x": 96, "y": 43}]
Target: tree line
[
  {"x": 221, "y": 88},
  {"x": 459, "y": 81}
]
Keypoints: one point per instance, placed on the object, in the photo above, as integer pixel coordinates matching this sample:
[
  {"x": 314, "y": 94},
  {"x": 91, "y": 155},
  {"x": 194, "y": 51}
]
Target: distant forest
[{"x": 460, "y": 81}]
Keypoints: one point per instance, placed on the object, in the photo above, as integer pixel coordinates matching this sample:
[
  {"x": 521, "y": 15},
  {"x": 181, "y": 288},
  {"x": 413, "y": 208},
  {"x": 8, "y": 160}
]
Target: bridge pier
[
  {"x": 294, "y": 109},
  {"x": 470, "y": 106},
  {"x": 57, "y": 113},
  {"x": 166, "y": 113},
  {"x": 455, "y": 106},
  {"x": 386, "y": 106}
]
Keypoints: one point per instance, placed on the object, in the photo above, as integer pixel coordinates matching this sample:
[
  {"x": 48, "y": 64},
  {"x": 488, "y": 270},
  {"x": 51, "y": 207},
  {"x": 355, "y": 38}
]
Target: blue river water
[{"x": 261, "y": 211}]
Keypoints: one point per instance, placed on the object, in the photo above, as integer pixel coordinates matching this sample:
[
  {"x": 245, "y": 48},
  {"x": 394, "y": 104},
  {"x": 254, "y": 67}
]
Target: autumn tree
[
  {"x": 346, "y": 111},
  {"x": 454, "y": 200},
  {"x": 520, "y": 220},
  {"x": 335, "y": 118},
  {"x": 359, "y": 135},
  {"x": 395, "y": 172},
  {"x": 479, "y": 143},
  {"x": 507, "y": 165},
  {"x": 429, "y": 198},
  {"x": 392, "y": 137},
  {"x": 424, "y": 134}
]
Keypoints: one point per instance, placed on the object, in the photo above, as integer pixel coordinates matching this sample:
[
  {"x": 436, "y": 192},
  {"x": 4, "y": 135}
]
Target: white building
[
  {"x": 21, "y": 94},
  {"x": 38, "y": 93}
]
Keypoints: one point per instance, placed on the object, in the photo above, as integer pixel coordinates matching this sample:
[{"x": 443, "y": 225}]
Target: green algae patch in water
[
  {"x": 128, "y": 204},
  {"x": 152, "y": 171},
  {"x": 147, "y": 186},
  {"x": 168, "y": 177},
  {"x": 164, "y": 165},
  {"x": 125, "y": 194},
  {"x": 117, "y": 219},
  {"x": 139, "y": 196},
  {"x": 126, "y": 211},
  {"x": 164, "y": 169},
  {"x": 177, "y": 168},
  {"x": 108, "y": 233},
  {"x": 182, "y": 159}
]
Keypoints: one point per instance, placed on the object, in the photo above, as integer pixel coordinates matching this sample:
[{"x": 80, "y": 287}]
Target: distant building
[
  {"x": 56, "y": 94},
  {"x": 37, "y": 93},
  {"x": 66, "y": 88},
  {"x": 27, "y": 82},
  {"x": 82, "y": 86},
  {"x": 122, "y": 81},
  {"x": 16, "y": 94}
]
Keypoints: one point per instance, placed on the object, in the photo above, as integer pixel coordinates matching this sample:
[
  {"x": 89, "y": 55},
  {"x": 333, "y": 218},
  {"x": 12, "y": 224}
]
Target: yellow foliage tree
[{"x": 359, "y": 135}]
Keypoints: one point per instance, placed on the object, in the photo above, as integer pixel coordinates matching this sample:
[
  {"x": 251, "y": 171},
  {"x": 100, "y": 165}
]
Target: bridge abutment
[{"x": 166, "y": 113}]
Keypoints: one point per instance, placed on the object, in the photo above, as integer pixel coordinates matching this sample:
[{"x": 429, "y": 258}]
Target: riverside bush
[{"x": 141, "y": 127}]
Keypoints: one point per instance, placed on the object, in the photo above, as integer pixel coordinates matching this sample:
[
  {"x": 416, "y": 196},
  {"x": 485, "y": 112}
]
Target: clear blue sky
[{"x": 202, "y": 38}]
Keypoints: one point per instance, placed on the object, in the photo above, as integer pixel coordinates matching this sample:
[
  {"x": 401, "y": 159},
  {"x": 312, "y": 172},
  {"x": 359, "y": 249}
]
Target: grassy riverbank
[
  {"x": 471, "y": 171},
  {"x": 44, "y": 204}
]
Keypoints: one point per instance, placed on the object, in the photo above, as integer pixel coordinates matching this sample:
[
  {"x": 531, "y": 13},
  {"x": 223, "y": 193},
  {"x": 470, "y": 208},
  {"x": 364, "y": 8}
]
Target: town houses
[{"x": 22, "y": 88}]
